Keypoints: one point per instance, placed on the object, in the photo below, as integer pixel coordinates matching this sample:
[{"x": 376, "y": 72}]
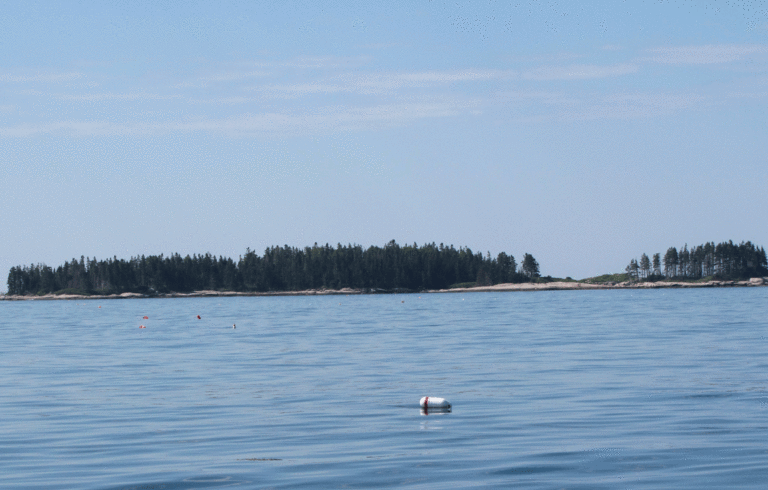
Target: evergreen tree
[
  {"x": 645, "y": 265},
  {"x": 683, "y": 259},
  {"x": 633, "y": 270},
  {"x": 670, "y": 262},
  {"x": 725, "y": 260},
  {"x": 530, "y": 266},
  {"x": 506, "y": 267}
]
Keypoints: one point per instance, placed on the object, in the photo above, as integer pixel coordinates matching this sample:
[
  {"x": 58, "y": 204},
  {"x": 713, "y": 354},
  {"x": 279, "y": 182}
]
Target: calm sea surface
[{"x": 556, "y": 389}]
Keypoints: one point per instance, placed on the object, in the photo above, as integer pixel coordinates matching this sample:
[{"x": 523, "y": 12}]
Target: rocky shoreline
[
  {"x": 194, "y": 294},
  {"x": 548, "y": 286},
  {"x": 562, "y": 286}
]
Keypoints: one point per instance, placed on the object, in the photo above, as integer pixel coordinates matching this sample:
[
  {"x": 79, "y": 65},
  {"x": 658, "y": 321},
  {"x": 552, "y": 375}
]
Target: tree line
[
  {"x": 392, "y": 267},
  {"x": 725, "y": 260}
]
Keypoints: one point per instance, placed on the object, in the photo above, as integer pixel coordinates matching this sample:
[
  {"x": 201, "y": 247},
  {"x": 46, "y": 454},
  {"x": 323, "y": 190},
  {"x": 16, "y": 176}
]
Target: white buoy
[
  {"x": 434, "y": 402},
  {"x": 234, "y": 326}
]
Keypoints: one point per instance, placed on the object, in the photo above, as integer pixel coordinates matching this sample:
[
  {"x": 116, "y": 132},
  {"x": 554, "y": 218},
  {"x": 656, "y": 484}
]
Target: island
[{"x": 352, "y": 269}]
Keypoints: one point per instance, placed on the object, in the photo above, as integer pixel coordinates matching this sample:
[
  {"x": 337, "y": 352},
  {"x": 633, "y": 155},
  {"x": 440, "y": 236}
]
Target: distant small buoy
[
  {"x": 403, "y": 301},
  {"x": 146, "y": 317},
  {"x": 234, "y": 326},
  {"x": 198, "y": 317},
  {"x": 142, "y": 326},
  {"x": 434, "y": 402},
  {"x": 99, "y": 306}
]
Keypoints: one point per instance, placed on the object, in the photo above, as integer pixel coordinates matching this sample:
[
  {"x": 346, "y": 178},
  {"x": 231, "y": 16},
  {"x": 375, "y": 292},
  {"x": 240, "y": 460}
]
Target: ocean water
[{"x": 552, "y": 389}]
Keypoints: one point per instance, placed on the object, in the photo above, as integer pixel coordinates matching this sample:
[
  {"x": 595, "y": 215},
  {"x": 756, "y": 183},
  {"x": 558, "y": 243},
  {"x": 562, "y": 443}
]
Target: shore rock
[{"x": 550, "y": 286}]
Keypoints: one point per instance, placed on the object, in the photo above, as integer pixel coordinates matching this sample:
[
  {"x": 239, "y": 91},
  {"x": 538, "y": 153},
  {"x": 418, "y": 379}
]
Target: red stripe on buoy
[{"x": 426, "y": 401}]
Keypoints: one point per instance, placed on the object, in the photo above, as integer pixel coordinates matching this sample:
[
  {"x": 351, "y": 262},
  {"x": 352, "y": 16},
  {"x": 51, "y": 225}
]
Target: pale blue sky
[{"x": 582, "y": 134}]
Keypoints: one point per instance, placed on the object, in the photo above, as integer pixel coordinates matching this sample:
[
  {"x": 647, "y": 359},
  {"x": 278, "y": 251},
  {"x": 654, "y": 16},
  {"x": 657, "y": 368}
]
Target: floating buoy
[
  {"x": 434, "y": 402},
  {"x": 146, "y": 317},
  {"x": 234, "y": 326},
  {"x": 142, "y": 326},
  {"x": 198, "y": 317}
]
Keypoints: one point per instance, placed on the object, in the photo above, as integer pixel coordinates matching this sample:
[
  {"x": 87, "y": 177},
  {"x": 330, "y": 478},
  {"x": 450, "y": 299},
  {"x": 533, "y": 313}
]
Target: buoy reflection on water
[{"x": 434, "y": 411}]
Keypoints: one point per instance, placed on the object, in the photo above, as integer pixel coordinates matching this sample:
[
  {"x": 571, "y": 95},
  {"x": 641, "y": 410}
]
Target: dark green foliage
[
  {"x": 530, "y": 266},
  {"x": 657, "y": 264},
  {"x": 70, "y": 291},
  {"x": 632, "y": 270},
  {"x": 645, "y": 266},
  {"x": 670, "y": 262},
  {"x": 722, "y": 261},
  {"x": 391, "y": 267}
]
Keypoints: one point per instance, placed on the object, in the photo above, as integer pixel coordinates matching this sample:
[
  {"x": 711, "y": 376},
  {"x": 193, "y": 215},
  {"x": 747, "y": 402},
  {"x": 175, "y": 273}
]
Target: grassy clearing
[
  {"x": 547, "y": 279},
  {"x": 606, "y": 278}
]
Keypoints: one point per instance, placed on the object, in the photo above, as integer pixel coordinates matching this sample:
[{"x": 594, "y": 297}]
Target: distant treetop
[
  {"x": 392, "y": 267},
  {"x": 725, "y": 260}
]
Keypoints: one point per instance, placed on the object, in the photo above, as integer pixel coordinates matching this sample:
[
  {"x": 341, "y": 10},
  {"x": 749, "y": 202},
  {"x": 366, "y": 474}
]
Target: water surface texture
[{"x": 552, "y": 389}]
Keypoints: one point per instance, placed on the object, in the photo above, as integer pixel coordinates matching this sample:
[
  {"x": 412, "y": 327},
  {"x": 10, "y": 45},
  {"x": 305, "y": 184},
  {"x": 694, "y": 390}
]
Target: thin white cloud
[
  {"x": 578, "y": 72},
  {"x": 233, "y": 100},
  {"x": 232, "y": 76},
  {"x": 78, "y": 128},
  {"x": 229, "y": 76},
  {"x": 315, "y": 62},
  {"x": 116, "y": 96},
  {"x": 299, "y": 89},
  {"x": 81, "y": 85},
  {"x": 703, "y": 55},
  {"x": 41, "y": 77},
  {"x": 542, "y": 97},
  {"x": 452, "y": 76},
  {"x": 633, "y": 106},
  {"x": 388, "y": 82},
  {"x": 404, "y": 93},
  {"x": 379, "y": 45},
  {"x": 323, "y": 119},
  {"x": 266, "y": 69},
  {"x": 549, "y": 58},
  {"x": 542, "y": 106},
  {"x": 391, "y": 83},
  {"x": 377, "y": 84},
  {"x": 396, "y": 83},
  {"x": 748, "y": 95}
]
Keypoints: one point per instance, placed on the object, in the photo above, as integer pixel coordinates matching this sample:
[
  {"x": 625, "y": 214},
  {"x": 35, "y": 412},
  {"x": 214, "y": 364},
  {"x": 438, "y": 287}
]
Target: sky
[{"x": 583, "y": 133}]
